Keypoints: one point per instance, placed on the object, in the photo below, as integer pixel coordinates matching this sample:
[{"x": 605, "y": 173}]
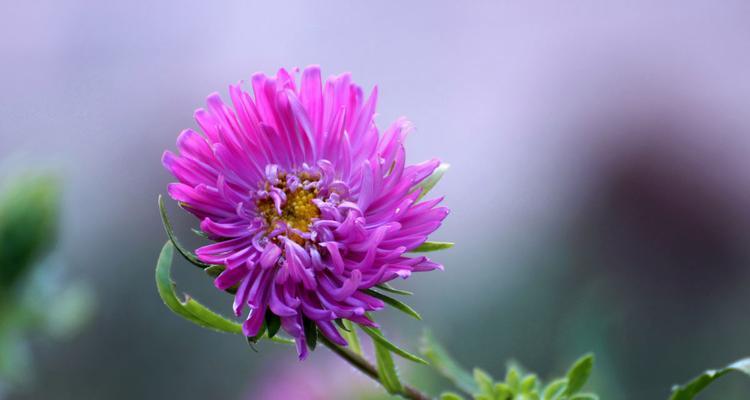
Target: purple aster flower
[{"x": 308, "y": 204}]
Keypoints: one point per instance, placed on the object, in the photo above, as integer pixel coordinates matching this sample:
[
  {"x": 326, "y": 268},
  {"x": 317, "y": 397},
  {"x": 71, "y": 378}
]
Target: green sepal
[
  {"x": 432, "y": 246},
  {"x": 388, "y": 288},
  {"x": 689, "y": 390},
  {"x": 406, "y": 309},
  {"x": 259, "y": 335},
  {"x": 273, "y": 323},
  {"x": 430, "y": 182},
  {"x": 200, "y": 233},
  {"x": 311, "y": 333},
  {"x": 378, "y": 337},
  {"x": 215, "y": 270},
  {"x": 170, "y": 232}
]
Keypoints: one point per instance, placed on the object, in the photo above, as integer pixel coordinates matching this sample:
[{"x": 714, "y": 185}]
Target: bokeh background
[{"x": 600, "y": 178}]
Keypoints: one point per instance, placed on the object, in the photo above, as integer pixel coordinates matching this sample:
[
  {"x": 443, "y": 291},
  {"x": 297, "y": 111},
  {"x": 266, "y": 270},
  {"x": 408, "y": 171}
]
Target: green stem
[{"x": 368, "y": 369}]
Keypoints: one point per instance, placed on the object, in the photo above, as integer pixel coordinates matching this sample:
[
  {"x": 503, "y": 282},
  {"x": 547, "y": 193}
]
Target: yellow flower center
[{"x": 298, "y": 211}]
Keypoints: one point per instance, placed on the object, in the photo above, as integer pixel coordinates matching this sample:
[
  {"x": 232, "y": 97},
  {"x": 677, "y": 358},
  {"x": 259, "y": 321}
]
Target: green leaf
[
  {"x": 691, "y": 389},
  {"x": 585, "y": 396},
  {"x": 450, "y": 396},
  {"x": 579, "y": 373},
  {"x": 432, "y": 246},
  {"x": 311, "y": 333},
  {"x": 378, "y": 337},
  {"x": 528, "y": 384},
  {"x": 427, "y": 184},
  {"x": 189, "y": 308},
  {"x": 170, "y": 232},
  {"x": 555, "y": 389},
  {"x": 513, "y": 379},
  {"x": 484, "y": 381},
  {"x": 387, "y": 369},
  {"x": 388, "y": 288},
  {"x": 394, "y": 303},
  {"x": 29, "y": 216},
  {"x": 446, "y": 365},
  {"x": 350, "y": 334}
]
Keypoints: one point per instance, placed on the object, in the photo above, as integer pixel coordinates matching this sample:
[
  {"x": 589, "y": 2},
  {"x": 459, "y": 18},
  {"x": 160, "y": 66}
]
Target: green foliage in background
[
  {"x": 517, "y": 385},
  {"x": 28, "y": 225},
  {"x": 33, "y": 299}
]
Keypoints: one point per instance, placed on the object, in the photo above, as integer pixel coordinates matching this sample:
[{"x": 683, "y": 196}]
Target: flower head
[{"x": 308, "y": 204}]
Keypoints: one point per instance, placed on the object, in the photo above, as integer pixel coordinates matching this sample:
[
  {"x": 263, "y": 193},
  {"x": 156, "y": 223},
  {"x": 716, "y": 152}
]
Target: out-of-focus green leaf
[
  {"x": 485, "y": 382},
  {"x": 585, "y": 396},
  {"x": 446, "y": 365},
  {"x": 378, "y": 337},
  {"x": 450, "y": 396},
  {"x": 432, "y": 246},
  {"x": 388, "y": 288},
  {"x": 170, "y": 232},
  {"x": 386, "y": 368},
  {"x": 70, "y": 311},
  {"x": 555, "y": 389},
  {"x": 29, "y": 208},
  {"x": 689, "y": 390},
  {"x": 427, "y": 184},
  {"x": 579, "y": 374},
  {"x": 406, "y": 309}
]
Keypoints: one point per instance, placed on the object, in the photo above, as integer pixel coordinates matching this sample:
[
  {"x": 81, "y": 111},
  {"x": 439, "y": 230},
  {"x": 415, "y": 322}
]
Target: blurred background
[{"x": 600, "y": 179}]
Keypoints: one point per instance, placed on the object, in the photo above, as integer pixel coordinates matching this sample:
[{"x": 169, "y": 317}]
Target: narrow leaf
[
  {"x": 388, "y": 288},
  {"x": 170, "y": 232},
  {"x": 394, "y": 303},
  {"x": 378, "y": 337},
  {"x": 387, "y": 369},
  {"x": 432, "y": 246},
  {"x": 446, "y": 365},
  {"x": 689, "y": 390},
  {"x": 189, "y": 308},
  {"x": 350, "y": 334},
  {"x": 579, "y": 373},
  {"x": 427, "y": 184}
]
